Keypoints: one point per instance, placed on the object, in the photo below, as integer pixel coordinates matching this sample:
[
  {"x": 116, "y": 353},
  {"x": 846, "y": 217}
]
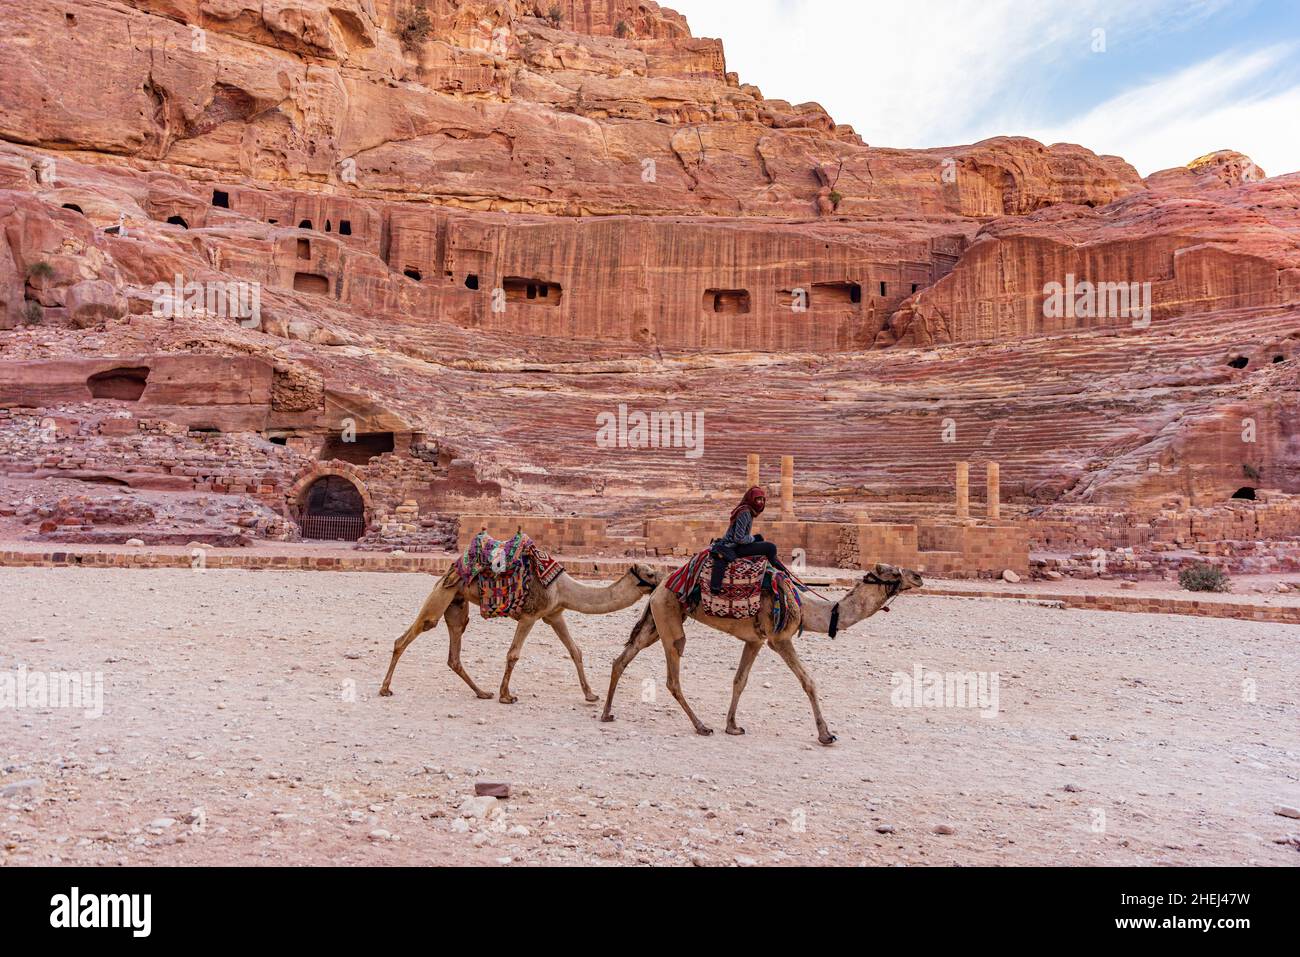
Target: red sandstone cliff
[{"x": 486, "y": 227}]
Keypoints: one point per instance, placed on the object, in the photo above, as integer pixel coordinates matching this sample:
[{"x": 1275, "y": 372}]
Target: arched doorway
[{"x": 332, "y": 510}]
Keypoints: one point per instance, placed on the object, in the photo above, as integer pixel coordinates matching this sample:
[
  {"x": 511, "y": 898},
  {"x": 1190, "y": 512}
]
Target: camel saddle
[
  {"x": 742, "y": 588},
  {"x": 509, "y": 573},
  {"x": 743, "y": 584}
]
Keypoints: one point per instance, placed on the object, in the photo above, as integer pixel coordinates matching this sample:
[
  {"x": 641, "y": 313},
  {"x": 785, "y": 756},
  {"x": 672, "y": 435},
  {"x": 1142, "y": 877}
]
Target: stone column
[
  {"x": 751, "y": 470},
  {"x": 993, "y": 492},
  {"x": 787, "y": 488},
  {"x": 963, "y": 491}
]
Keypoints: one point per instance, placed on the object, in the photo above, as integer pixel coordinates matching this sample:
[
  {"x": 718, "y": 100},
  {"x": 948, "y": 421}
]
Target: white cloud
[
  {"x": 1225, "y": 102},
  {"x": 941, "y": 72}
]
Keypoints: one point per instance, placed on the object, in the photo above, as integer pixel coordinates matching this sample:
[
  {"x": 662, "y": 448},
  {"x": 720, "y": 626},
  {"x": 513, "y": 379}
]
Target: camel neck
[
  {"x": 596, "y": 599},
  {"x": 862, "y": 602}
]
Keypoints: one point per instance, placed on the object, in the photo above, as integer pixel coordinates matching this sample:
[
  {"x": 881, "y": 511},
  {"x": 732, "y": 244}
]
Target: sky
[{"x": 1158, "y": 82}]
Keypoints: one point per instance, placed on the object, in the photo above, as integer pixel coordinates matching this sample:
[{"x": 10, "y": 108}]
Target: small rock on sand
[
  {"x": 479, "y": 808},
  {"x": 28, "y": 787}
]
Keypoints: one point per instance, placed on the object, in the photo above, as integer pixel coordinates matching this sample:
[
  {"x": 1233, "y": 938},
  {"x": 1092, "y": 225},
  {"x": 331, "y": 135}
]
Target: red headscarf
[{"x": 755, "y": 501}]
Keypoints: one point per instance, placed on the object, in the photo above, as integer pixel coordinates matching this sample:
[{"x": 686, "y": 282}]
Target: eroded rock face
[
  {"x": 490, "y": 227},
  {"x": 1233, "y": 248}
]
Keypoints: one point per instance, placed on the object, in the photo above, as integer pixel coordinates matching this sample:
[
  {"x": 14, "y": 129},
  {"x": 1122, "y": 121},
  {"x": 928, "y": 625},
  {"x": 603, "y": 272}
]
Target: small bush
[
  {"x": 33, "y": 313},
  {"x": 1203, "y": 578},
  {"x": 621, "y": 29},
  {"x": 413, "y": 27},
  {"x": 1251, "y": 472},
  {"x": 836, "y": 198},
  {"x": 40, "y": 270},
  {"x": 555, "y": 14}
]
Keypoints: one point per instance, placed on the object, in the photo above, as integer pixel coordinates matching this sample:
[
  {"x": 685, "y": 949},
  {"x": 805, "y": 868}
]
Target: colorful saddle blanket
[
  {"x": 505, "y": 572},
  {"x": 742, "y": 588},
  {"x": 743, "y": 585}
]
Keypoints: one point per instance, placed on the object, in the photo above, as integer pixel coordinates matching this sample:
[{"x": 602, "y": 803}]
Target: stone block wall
[
  {"x": 553, "y": 533},
  {"x": 991, "y": 549},
  {"x": 963, "y": 550},
  {"x": 1274, "y": 515}
]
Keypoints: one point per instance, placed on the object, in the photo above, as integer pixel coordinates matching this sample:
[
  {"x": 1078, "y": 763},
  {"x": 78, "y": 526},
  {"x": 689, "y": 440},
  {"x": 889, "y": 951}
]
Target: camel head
[
  {"x": 647, "y": 577},
  {"x": 892, "y": 577}
]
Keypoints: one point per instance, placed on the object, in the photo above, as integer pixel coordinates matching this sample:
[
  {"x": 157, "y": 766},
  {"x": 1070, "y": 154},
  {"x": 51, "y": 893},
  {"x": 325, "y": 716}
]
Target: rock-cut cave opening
[{"x": 126, "y": 383}]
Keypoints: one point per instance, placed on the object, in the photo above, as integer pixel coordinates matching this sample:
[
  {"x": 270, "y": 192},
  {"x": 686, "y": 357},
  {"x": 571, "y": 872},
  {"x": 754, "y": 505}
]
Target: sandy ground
[{"x": 246, "y": 701}]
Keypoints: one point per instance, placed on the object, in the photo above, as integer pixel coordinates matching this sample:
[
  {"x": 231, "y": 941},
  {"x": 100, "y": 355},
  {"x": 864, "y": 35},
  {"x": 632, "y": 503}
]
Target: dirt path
[{"x": 250, "y": 698}]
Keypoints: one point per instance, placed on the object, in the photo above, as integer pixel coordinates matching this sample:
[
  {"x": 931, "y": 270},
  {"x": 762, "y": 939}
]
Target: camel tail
[{"x": 646, "y": 620}]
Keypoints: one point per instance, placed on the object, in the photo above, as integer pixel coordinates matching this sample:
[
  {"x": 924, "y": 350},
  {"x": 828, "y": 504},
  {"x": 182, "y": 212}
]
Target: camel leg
[
  {"x": 738, "y": 683},
  {"x": 673, "y": 637},
  {"x": 457, "y": 617},
  {"x": 642, "y": 638},
  {"x": 430, "y": 612},
  {"x": 512, "y": 656},
  {"x": 561, "y": 629},
  {"x": 785, "y": 648}
]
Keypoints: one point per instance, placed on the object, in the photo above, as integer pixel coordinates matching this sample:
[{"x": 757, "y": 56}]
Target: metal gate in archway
[{"x": 332, "y": 511}]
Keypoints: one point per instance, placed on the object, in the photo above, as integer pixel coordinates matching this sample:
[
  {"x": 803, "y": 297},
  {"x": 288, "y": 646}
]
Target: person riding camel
[{"x": 740, "y": 541}]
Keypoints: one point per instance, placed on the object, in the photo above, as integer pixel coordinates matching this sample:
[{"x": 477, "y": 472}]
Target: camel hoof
[
  {"x": 828, "y": 739},
  {"x": 385, "y": 693},
  {"x": 704, "y": 732},
  {"x": 735, "y": 729},
  {"x": 607, "y": 718},
  {"x": 592, "y": 698},
  {"x": 483, "y": 695},
  {"x": 507, "y": 699}
]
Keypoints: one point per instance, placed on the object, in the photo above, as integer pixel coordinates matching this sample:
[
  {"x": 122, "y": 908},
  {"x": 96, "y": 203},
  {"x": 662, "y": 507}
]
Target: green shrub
[
  {"x": 621, "y": 29},
  {"x": 40, "y": 270},
  {"x": 555, "y": 14},
  {"x": 33, "y": 313},
  {"x": 1203, "y": 578},
  {"x": 836, "y": 198},
  {"x": 1250, "y": 472},
  {"x": 413, "y": 27}
]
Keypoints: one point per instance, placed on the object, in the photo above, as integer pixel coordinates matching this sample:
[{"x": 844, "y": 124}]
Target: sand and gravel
[{"x": 241, "y": 725}]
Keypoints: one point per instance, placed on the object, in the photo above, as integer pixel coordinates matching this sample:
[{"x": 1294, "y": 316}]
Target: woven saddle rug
[
  {"x": 743, "y": 585},
  {"x": 508, "y": 573}
]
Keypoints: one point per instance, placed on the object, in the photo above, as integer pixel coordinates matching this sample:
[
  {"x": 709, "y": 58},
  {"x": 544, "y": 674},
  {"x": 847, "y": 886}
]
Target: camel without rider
[{"x": 451, "y": 598}]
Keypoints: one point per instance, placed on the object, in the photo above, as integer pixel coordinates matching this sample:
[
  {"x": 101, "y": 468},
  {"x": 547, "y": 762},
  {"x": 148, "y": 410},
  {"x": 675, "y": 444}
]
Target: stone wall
[
  {"x": 1272, "y": 516},
  {"x": 560, "y": 534},
  {"x": 969, "y": 550}
]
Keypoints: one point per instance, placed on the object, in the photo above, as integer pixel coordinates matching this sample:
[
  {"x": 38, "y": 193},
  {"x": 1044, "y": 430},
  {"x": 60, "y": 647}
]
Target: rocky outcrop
[
  {"x": 1150, "y": 257},
  {"x": 468, "y": 229}
]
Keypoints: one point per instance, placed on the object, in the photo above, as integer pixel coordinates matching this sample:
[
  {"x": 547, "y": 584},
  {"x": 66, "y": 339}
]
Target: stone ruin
[{"x": 263, "y": 253}]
